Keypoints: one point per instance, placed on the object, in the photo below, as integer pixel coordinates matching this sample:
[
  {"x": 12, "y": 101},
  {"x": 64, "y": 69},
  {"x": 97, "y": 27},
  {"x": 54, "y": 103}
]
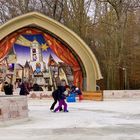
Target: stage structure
[{"x": 43, "y": 51}]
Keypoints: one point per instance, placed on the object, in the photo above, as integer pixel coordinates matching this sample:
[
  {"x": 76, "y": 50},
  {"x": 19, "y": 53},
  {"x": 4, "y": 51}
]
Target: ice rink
[{"x": 86, "y": 120}]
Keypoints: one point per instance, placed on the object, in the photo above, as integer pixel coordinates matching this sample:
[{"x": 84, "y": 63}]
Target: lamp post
[{"x": 125, "y": 76}]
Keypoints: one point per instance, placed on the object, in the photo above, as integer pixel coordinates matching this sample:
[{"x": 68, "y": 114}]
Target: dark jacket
[
  {"x": 55, "y": 94},
  {"x": 62, "y": 96},
  {"x": 36, "y": 87},
  {"x": 8, "y": 89},
  {"x": 59, "y": 93},
  {"x": 73, "y": 88},
  {"x": 78, "y": 92},
  {"x": 23, "y": 89}
]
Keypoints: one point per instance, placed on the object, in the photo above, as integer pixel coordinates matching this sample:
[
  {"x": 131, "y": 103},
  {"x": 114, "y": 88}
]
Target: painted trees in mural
[{"x": 31, "y": 57}]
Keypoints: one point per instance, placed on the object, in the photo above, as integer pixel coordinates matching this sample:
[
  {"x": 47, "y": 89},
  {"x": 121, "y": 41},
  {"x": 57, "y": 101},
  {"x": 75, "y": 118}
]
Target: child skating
[{"x": 61, "y": 99}]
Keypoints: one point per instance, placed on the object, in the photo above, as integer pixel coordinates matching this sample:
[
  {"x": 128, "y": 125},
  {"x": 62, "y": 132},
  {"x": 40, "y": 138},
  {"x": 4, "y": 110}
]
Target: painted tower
[
  {"x": 35, "y": 52},
  {"x": 36, "y": 58}
]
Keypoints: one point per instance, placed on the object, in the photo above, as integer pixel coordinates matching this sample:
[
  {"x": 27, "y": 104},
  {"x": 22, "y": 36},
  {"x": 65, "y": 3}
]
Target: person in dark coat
[
  {"x": 8, "y": 88},
  {"x": 24, "y": 89},
  {"x": 36, "y": 87},
  {"x": 55, "y": 95},
  {"x": 73, "y": 89}
]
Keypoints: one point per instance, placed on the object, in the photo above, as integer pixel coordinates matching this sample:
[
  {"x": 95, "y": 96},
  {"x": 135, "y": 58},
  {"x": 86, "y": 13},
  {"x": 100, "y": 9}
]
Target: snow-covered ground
[{"x": 86, "y": 120}]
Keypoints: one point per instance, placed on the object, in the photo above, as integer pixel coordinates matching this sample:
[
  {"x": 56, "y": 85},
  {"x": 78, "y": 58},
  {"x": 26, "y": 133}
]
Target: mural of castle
[{"x": 35, "y": 61}]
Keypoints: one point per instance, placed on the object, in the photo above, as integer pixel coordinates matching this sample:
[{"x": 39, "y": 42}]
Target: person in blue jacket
[{"x": 77, "y": 91}]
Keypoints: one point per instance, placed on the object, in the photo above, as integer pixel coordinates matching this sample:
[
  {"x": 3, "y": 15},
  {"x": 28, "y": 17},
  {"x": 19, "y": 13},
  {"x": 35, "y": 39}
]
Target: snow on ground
[{"x": 105, "y": 120}]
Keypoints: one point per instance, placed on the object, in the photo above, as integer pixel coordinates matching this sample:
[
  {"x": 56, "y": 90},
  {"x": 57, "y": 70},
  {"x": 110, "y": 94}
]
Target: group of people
[
  {"x": 23, "y": 86},
  {"x": 8, "y": 88},
  {"x": 60, "y": 94}
]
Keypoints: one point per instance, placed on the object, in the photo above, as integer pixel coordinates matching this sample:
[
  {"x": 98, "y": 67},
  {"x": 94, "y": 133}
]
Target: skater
[
  {"x": 55, "y": 95},
  {"x": 77, "y": 91},
  {"x": 72, "y": 89},
  {"x": 61, "y": 98}
]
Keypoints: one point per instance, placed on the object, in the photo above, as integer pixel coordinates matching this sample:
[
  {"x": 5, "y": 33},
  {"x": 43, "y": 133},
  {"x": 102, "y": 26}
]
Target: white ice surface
[{"x": 107, "y": 118}]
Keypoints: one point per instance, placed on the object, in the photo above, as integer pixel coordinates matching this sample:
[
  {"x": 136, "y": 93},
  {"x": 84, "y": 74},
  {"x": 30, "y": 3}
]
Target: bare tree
[{"x": 112, "y": 21}]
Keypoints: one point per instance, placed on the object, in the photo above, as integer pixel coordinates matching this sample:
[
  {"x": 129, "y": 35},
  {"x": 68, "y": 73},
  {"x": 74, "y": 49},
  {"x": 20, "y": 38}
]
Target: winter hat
[{"x": 77, "y": 88}]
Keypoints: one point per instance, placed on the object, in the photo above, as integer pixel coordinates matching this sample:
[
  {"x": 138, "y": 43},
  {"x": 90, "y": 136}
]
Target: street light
[{"x": 125, "y": 77}]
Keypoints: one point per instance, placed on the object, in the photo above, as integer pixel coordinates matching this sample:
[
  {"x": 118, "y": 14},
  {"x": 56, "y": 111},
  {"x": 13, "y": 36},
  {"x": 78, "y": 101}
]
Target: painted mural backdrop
[{"x": 39, "y": 58}]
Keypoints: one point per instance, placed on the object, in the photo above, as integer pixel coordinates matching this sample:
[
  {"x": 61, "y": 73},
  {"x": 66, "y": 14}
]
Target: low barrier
[
  {"x": 33, "y": 94},
  {"x": 40, "y": 94},
  {"x": 121, "y": 94},
  {"x": 13, "y": 108},
  {"x": 87, "y": 95},
  {"x": 93, "y": 95}
]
